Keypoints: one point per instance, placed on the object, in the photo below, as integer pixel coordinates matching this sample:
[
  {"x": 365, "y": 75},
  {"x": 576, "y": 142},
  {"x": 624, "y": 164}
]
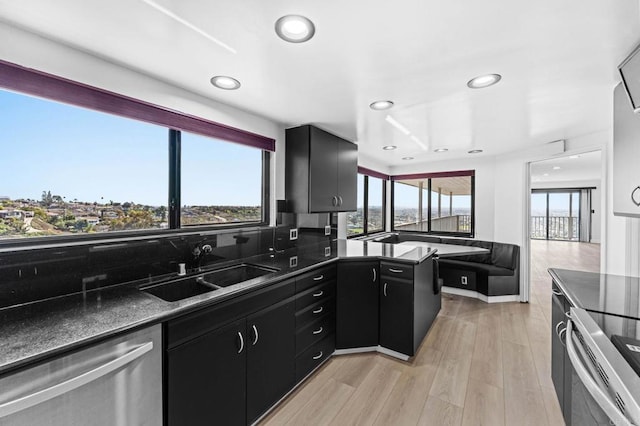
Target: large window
[
  {"x": 221, "y": 182},
  {"x": 70, "y": 170},
  {"x": 440, "y": 203},
  {"x": 556, "y": 214},
  {"x": 370, "y": 214}
]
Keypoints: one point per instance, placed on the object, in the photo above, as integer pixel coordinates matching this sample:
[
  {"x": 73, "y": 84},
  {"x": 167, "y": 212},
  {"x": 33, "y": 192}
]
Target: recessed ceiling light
[
  {"x": 225, "y": 82},
  {"x": 573, "y": 157},
  {"x": 389, "y": 147},
  {"x": 407, "y": 158},
  {"x": 474, "y": 151},
  {"x": 295, "y": 28},
  {"x": 440, "y": 150},
  {"x": 556, "y": 167},
  {"x": 484, "y": 81},
  {"x": 381, "y": 105}
]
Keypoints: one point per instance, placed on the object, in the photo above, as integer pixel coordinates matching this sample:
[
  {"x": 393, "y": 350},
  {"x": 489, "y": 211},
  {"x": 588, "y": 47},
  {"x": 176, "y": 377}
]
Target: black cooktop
[{"x": 601, "y": 293}]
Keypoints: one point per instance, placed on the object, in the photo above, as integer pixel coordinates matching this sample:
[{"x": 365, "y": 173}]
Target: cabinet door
[
  {"x": 347, "y": 176},
  {"x": 270, "y": 357},
  {"x": 206, "y": 379},
  {"x": 323, "y": 171},
  {"x": 626, "y": 151},
  {"x": 357, "y": 305},
  {"x": 396, "y": 315}
]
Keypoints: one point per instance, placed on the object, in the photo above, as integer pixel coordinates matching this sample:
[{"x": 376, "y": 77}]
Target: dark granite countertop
[
  {"x": 35, "y": 331},
  {"x": 603, "y": 293}
]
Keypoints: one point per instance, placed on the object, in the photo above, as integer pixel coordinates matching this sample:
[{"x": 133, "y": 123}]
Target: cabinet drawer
[
  {"x": 313, "y": 278},
  {"x": 396, "y": 270},
  {"x": 314, "y": 356},
  {"x": 315, "y": 294},
  {"x": 314, "y": 312},
  {"x": 315, "y": 332}
]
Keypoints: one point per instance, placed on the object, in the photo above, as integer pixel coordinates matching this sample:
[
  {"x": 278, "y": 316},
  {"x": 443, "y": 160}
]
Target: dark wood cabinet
[
  {"x": 270, "y": 357},
  {"x": 357, "y": 304},
  {"x": 206, "y": 371},
  {"x": 320, "y": 171},
  {"x": 561, "y": 368},
  {"x": 229, "y": 363},
  {"x": 409, "y": 303}
]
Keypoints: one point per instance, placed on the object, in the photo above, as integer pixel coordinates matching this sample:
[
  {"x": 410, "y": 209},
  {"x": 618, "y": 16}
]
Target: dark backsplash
[{"x": 41, "y": 273}]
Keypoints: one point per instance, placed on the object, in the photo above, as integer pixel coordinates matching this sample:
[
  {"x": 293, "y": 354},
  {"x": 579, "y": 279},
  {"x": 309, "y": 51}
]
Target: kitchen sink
[
  {"x": 236, "y": 274},
  {"x": 206, "y": 282}
]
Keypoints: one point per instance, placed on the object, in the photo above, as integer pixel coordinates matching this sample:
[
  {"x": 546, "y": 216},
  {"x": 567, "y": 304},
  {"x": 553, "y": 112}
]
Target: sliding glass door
[{"x": 555, "y": 214}]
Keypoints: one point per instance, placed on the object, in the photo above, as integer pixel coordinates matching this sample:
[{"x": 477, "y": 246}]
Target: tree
[{"x": 47, "y": 198}]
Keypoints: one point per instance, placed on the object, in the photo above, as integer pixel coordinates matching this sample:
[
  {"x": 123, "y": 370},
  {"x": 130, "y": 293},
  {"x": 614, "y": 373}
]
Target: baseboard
[
  {"x": 392, "y": 353},
  {"x": 480, "y": 296},
  {"x": 355, "y": 350},
  {"x": 378, "y": 349}
]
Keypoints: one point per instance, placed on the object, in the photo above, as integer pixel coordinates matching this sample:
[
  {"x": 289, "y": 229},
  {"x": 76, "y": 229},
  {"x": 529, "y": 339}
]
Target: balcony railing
[
  {"x": 560, "y": 228},
  {"x": 455, "y": 223}
]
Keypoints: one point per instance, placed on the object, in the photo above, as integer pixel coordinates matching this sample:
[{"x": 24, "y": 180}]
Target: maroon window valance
[
  {"x": 372, "y": 173},
  {"x": 434, "y": 175},
  {"x": 37, "y": 83}
]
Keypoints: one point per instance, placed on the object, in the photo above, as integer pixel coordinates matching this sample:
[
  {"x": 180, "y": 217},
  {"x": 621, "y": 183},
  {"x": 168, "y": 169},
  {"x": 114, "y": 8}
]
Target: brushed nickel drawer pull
[
  {"x": 318, "y": 356},
  {"x": 384, "y": 290},
  {"x": 255, "y": 333},
  {"x": 241, "y": 342},
  {"x": 374, "y": 274},
  {"x": 317, "y": 311},
  {"x": 318, "y": 278},
  {"x": 556, "y": 292},
  {"x": 318, "y": 294},
  {"x": 396, "y": 271},
  {"x": 318, "y": 331}
]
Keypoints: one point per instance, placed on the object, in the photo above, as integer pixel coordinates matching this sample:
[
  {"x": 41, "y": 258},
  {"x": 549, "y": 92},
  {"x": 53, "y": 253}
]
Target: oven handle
[
  {"x": 46, "y": 394},
  {"x": 592, "y": 387}
]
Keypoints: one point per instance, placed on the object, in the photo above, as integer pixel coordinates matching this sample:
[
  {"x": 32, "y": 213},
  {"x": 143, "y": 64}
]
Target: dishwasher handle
[{"x": 28, "y": 401}]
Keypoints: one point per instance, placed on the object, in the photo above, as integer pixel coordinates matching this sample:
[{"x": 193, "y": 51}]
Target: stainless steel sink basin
[{"x": 205, "y": 282}]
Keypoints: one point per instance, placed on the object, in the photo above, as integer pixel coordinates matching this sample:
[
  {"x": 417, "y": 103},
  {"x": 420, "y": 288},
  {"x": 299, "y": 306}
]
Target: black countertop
[
  {"x": 602, "y": 293},
  {"x": 34, "y": 331}
]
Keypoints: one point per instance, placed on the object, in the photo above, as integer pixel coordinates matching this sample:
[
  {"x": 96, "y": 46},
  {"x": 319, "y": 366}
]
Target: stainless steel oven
[{"x": 605, "y": 385}]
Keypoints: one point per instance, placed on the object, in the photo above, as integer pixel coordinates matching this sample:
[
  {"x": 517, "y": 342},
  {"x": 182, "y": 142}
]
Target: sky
[
  {"x": 406, "y": 196},
  {"x": 558, "y": 204},
  {"x": 96, "y": 157}
]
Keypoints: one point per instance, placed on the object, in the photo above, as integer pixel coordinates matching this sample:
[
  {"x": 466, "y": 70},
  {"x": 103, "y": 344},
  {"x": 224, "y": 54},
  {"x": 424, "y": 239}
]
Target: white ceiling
[
  {"x": 558, "y": 61},
  {"x": 570, "y": 169}
]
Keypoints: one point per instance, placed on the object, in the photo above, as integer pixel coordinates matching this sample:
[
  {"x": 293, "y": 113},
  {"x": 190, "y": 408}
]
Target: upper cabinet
[
  {"x": 626, "y": 156},
  {"x": 321, "y": 171}
]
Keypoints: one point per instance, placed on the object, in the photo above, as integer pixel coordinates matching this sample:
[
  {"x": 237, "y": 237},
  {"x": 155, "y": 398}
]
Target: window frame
[
  {"x": 429, "y": 177},
  {"x": 365, "y": 200},
  {"x": 53, "y": 88}
]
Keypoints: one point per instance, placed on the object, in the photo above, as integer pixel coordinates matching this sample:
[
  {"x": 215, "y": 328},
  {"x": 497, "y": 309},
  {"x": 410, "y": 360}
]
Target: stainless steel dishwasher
[{"x": 116, "y": 382}]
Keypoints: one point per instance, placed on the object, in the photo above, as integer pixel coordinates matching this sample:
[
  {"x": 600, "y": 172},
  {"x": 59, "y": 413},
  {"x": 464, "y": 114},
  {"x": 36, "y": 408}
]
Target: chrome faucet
[{"x": 199, "y": 253}]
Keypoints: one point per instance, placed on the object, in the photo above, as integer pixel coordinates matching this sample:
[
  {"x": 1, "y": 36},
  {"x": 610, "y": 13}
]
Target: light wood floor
[{"x": 480, "y": 364}]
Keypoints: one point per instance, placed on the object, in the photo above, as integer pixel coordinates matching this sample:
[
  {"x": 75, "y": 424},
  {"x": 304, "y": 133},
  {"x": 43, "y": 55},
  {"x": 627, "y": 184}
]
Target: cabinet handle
[
  {"x": 556, "y": 292},
  {"x": 384, "y": 290},
  {"x": 255, "y": 334},
  {"x": 317, "y": 311},
  {"x": 318, "y": 356},
  {"x": 318, "y": 278},
  {"x": 374, "y": 274},
  {"x": 558, "y": 327},
  {"x": 318, "y": 294},
  {"x": 564, "y": 330},
  {"x": 334, "y": 201},
  {"x": 241, "y": 342},
  {"x": 396, "y": 271},
  {"x": 339, "y": 200},
  {"x": 318, "y": 331},
  {"x": 633, "y": 196}
]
